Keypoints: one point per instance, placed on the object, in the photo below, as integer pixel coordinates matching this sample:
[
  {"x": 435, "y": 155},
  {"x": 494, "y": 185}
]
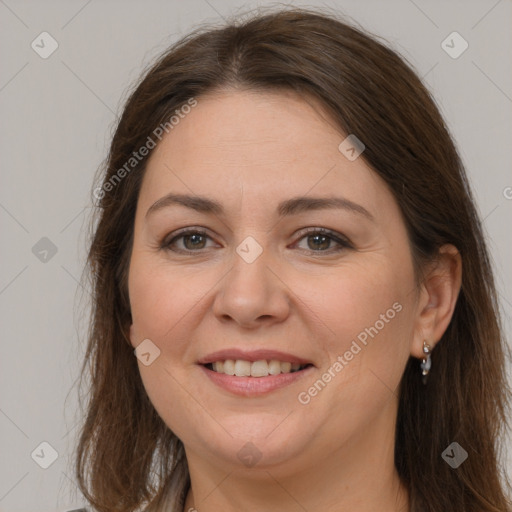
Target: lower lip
[{"x": 254, "y": 386}]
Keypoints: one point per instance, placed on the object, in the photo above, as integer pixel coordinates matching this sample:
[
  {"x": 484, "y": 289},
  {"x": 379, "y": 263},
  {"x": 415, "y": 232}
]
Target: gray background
[{"x": 57, "y": 117}]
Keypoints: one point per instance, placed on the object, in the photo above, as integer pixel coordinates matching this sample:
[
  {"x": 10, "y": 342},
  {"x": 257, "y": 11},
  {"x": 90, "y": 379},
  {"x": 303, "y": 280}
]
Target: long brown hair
[{"x": 127, "y": 458}]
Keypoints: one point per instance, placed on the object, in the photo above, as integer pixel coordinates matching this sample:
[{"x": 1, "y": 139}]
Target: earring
[{"x": 426, "y": 362}]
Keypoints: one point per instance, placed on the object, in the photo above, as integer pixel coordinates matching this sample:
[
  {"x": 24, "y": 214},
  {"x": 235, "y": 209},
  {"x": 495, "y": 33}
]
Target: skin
[{"x": 249, "y": 151}]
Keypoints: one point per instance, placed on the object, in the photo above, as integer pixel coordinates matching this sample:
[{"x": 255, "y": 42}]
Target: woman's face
[{"x": 254, "y": 281}]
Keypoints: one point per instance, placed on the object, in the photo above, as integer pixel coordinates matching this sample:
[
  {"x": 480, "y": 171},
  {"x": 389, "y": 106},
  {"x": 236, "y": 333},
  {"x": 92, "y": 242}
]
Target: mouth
[
  {"x": 255, "y": 373},
  {"x": 257, "y": 369}
]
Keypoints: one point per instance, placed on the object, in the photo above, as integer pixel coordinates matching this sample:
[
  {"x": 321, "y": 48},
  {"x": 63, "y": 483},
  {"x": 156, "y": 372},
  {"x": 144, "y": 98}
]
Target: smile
[
  {"x": 261, "y": 368},
  {"x": 260, "y": 383}
]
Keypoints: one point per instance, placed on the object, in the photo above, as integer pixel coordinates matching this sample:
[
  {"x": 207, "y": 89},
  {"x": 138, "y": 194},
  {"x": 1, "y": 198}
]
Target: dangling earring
[{"x": 426, "y": 362}]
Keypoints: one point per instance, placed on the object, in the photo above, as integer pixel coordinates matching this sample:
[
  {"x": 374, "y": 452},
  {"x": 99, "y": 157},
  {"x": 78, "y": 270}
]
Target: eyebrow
[{"x": 286, "y": 208}]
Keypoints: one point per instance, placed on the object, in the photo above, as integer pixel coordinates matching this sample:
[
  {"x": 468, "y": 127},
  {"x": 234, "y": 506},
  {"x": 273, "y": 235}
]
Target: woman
[{"x": 294, "y": 306}]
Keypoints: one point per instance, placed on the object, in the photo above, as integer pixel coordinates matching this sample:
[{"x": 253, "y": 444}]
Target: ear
[
  {"x": 437, "y": 299},
  {"x": 131, "y": 333}
]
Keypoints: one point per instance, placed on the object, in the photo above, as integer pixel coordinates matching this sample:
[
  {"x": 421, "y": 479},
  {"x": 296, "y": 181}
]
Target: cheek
[
  {"x": 359, "y": 301},
  {"x": 160, "y": 296},
  {"x": 369, "y": 315},
  {"x": 160, "y": 299}
]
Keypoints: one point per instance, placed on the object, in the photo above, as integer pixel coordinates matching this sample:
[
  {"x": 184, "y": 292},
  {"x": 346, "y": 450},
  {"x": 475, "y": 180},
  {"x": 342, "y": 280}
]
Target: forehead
[{"x": 267, "y": 146}]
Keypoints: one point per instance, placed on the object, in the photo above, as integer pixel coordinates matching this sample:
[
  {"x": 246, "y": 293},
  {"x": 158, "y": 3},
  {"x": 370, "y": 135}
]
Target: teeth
[
  {"x": 218, "y": 366},
  {"x": 242, "y": 368},
  {"x": 274, "y": 367},
  {"x": 286, "y": 367},
  {"x": 261, "y": 368},
  {"x": 228, "y": 367}
]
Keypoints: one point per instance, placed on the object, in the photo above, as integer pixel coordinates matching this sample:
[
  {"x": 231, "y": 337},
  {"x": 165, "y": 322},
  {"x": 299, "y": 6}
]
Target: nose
[{"x": 252, "y": 294}]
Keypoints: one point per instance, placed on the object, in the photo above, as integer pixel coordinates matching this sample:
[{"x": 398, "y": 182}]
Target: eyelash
[{"x": 341, "y": 241}]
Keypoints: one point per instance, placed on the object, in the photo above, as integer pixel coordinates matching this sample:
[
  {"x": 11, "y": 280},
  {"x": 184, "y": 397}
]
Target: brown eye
[
  {"x": 195, "y": 241},
  {"x": 322, "y": 240},
  {"x": 319, "y": 241},
  {"x": 187, "y": 241}
]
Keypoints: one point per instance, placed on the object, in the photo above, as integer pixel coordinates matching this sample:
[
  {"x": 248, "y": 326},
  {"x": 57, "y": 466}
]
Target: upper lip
[{"x": 252, "y": 355}]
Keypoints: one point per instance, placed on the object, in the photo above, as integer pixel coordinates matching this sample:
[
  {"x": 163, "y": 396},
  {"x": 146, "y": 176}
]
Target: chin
[{"x": 260, "y": 444}]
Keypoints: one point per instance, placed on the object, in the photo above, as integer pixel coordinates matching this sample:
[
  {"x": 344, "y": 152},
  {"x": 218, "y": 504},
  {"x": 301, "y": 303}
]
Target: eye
[
  {"x": 320, "y": 240},
  {"x": 193, "y": 241}
]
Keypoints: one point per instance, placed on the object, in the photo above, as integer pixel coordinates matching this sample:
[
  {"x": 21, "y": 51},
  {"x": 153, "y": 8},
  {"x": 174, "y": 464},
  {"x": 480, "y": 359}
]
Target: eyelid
[{"x": 325, "y": 231}]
